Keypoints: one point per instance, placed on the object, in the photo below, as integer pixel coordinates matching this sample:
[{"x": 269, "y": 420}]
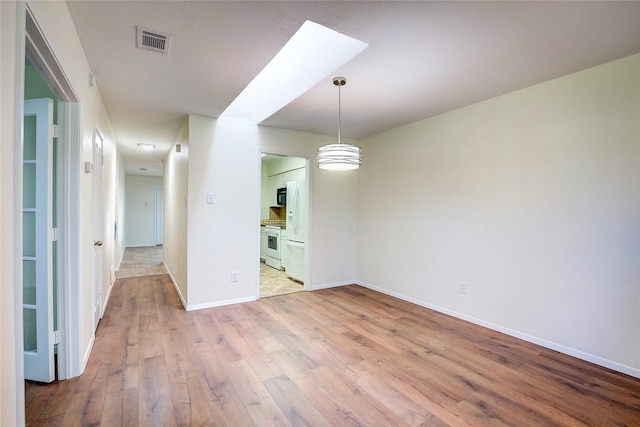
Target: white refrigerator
[{"x": 296, "y": 228}]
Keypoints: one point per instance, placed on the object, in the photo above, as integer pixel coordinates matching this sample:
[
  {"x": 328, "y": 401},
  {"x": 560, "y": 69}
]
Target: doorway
[
  {"x": 44, "y": 79},
  {"x": 283, "y": 224}
]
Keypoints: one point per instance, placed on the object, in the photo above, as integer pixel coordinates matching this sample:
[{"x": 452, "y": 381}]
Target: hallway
[{"x": 141, "y": 261}]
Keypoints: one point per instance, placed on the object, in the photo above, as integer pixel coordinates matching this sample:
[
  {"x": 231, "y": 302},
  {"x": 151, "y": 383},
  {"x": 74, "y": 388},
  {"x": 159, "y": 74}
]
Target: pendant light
[{"x": 339, "y": 156}]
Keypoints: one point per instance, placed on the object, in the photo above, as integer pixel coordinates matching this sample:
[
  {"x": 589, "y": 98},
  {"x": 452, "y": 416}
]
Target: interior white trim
[
  {"x": 17, "y": 203},
  {"x": 220, "y": 303},
  {"x": 175, "y": 285},
  {"x": 40, "y": 55},
  {"x": 512, "y": 332},
  {"x": 333, "y": 285},
  {"x": 87, "y": 354}
]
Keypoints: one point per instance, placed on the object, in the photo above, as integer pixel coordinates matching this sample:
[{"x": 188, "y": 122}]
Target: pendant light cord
[{"x": 339, "y": 113}]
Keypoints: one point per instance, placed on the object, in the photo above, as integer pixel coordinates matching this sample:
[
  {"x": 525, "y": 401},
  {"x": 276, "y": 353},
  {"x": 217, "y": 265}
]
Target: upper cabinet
[
  {"x": 280, "y": 181},
  {"x": 276, "y": 172}
]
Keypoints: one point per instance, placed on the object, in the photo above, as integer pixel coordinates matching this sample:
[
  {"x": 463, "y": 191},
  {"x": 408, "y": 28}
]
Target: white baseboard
[
  {"x": 207, "y": 305},
  {"x": 112, "y": 275},
  {"x": 219, "y": 303},
  {"x": 106, "y": 301},
  {"x": 634, "y": 372},
  {"x": 175, "y": 285},
  {"x": 87, "y": 353},
  {"x": 333, "y": 285}
]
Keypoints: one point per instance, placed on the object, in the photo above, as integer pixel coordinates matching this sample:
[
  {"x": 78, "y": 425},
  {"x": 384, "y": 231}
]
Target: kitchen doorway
[{"x": 284, "y": 218}]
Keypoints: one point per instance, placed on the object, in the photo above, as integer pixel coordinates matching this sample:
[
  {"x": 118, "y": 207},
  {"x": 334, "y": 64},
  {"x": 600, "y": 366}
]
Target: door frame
[
  {"x": 158, "y": 216},
  {"x": 33, "y": 45},
  {"x": 97, "y": 231},
  {"x": 308, "y": 244}
]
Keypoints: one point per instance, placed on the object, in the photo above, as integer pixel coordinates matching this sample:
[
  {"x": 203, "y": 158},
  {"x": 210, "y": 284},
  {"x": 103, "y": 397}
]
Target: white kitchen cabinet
[
  {"x": 263, "y": 243},
  {"x": 274, "y": 184},
  {"x": 298, "y": 174},
  {"x": 280, "y": 181}
]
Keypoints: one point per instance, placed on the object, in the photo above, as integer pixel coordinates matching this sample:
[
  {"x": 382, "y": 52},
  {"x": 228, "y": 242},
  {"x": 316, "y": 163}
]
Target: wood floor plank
[
  {"x": 257, "y": 401},
  {"x": 494, "y": 381},
  {"x": 293, "y": 403},
  {"x": 224, "y": 402},
  {"x": 408, "y": 410},
  {"x": 344, "y": 356},
  {"x": 121, "y": 409},
  {"x": 427, "y": 397},
  {"x": 354, "y": 401},
  {"x": 190, "y": 405},
  {"x": 156, "y": 406},
  {"x": 58, "y": 396}
]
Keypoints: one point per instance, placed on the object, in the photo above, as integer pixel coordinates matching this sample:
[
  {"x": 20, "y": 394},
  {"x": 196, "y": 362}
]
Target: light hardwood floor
[{"x": 343, "y": 356}]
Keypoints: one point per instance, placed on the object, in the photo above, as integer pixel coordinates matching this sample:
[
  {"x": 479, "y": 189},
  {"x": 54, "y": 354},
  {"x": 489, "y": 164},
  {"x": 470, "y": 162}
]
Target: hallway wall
[
  {"x": 55, "y": 22},
  {"x": 140, "y": 208},
  {"x": 222, "y": 157},
  {"x": 176, "y": 175}
]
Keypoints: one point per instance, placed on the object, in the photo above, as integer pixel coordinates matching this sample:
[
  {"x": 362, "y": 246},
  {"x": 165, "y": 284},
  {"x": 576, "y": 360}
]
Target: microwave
[{"x": 281, "y": 196}]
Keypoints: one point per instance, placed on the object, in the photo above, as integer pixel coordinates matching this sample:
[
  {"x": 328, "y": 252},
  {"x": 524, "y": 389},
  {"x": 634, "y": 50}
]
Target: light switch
[{"x": 210, "y": 198}]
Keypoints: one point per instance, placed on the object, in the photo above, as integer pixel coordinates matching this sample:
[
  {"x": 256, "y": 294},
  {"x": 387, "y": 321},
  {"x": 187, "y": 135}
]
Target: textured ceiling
[{"x": 424, "y": 58}]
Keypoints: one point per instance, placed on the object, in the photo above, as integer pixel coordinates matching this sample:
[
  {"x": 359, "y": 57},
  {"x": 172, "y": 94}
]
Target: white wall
[
  {"x": 140, "y": 205},
  {"x": 224, "y": 159},
  {"x": 222, "y": 237},
  {"x": 176, "y": 169},
  {"x": 532, "y": 198},
  {"x": 11, "y": 390},
  {"x": 56, "y": 24},
  {"x": 112, "y": 201}
]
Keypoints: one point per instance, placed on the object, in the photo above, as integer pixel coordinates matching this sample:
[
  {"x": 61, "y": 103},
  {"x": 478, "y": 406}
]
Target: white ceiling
[{"x": 424, "y": 58}]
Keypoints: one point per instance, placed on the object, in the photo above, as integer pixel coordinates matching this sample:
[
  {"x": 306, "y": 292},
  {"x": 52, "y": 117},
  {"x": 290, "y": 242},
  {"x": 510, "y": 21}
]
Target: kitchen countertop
[{"x": 274, "y": 223}]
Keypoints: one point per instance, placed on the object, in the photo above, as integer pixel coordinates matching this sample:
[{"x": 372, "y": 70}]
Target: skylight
[{"x": 309, "y": 56}]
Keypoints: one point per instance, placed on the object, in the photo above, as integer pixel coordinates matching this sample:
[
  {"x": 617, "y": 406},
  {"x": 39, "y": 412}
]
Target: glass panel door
[{"x": 37, "y": 285}]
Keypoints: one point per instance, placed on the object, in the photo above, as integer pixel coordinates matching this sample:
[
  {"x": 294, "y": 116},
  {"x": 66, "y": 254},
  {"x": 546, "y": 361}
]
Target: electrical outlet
[
  {"x": 234, "y": 276},
  {"x": 463, "y": 288}
]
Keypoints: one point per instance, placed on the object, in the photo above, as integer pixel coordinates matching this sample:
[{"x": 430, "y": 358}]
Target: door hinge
[
  {"x": 56, "y": 131},
  {"x": 54, "y": 234},
  {"x": 56, "y": 337}
]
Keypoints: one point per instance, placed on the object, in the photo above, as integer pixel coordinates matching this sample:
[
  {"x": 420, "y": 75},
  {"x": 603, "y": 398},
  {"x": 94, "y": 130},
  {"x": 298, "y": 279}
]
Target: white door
[
  {"x": 37, "y": 231},
  {"x": 159, "y": 216},
  {"x": 97, "y": 227}
]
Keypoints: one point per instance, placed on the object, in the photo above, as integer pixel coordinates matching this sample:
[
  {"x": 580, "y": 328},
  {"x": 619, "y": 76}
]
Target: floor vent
[{"x": 154, "y": 41}]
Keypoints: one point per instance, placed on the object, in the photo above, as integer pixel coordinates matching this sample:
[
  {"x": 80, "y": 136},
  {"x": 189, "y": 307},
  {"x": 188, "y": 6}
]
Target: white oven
[{"x": 273, "y": 256}]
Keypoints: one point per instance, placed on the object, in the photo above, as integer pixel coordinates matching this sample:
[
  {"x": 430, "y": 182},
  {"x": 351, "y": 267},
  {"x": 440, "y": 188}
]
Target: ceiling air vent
[{"x": 154, "y": 41}]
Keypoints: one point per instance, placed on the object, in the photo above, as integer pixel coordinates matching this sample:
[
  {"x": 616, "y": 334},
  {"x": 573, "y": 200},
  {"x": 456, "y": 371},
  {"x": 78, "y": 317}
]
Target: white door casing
[
  {"x": 38, "y": 236},
  {"x": 159, "y": 216},
  {"x": 97, "y": 227}
]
